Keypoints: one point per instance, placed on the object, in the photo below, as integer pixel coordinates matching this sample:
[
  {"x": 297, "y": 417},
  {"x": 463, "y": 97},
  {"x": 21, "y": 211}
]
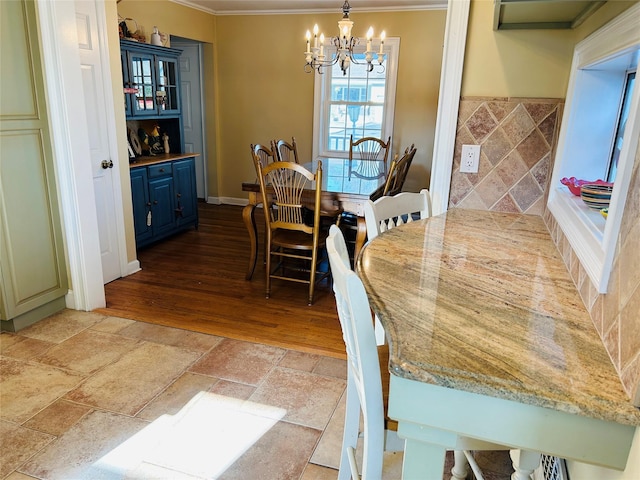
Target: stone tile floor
[{"x": 88, "y": 396}]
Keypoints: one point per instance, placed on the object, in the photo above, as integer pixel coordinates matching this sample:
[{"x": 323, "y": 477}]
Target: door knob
[{"x": 107, "y": 164}]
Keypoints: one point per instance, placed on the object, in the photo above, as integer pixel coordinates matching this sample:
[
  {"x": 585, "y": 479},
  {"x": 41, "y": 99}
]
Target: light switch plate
[{"x": 470, "y": 158}]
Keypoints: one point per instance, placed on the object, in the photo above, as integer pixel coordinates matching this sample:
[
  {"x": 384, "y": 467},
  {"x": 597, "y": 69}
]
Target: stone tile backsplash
[
  {"x": 616, "y": 314},
  {"x": 518, "y": 139}
]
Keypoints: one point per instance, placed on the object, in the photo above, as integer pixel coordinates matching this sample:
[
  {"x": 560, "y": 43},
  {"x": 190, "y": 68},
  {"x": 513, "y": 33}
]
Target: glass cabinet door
[
  {"x": 168, "y": 83},
  {"x": 141, "y": 77}
]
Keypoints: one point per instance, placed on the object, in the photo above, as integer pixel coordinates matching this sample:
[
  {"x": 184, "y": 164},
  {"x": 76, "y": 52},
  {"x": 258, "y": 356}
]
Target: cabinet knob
[
  {"x": 179, "y": 195},
  {"x": 162, "y": 170},
  {"x": 155, "y": 202},
  {"x": 148, "y": 204}
]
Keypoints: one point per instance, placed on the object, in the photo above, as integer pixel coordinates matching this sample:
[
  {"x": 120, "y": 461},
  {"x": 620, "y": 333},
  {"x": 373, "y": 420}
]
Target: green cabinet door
[{"x": 33, "y": 272}]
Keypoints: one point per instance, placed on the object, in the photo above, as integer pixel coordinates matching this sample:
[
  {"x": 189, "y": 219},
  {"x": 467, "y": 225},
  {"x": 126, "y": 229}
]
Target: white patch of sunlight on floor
[{"x": 202, "y": 440}]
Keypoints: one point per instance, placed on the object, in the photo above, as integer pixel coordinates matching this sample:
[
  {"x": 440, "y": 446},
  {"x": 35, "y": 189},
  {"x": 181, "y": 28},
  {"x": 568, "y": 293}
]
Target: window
[
  {"x": 359, "y": 103},
  {"x": 618, "y": 140},
  {"x": 602, "y": 109}
]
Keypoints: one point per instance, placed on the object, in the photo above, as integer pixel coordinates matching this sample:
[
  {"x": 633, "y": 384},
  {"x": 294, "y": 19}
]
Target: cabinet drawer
[{"x": 159, "y": 170}]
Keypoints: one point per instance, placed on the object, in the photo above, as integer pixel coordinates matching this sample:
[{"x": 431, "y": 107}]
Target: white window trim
[
  {"x": 592, "y": 239},
  {"x": 392, "y": 50}
]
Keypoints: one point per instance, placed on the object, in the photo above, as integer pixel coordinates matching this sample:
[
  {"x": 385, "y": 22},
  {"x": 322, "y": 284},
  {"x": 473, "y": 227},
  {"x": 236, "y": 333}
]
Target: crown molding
[{"x": 430, "y": 5}]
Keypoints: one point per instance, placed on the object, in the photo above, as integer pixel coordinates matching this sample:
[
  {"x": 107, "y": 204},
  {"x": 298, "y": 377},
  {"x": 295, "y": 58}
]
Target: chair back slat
[
  {"x": 285, "y": 151},
  {"x": 368, "y": 157},
  {"x": 261, "y": 154},
  {"x": 389, "y": 212},
  {"x": 286, "y": 207}
]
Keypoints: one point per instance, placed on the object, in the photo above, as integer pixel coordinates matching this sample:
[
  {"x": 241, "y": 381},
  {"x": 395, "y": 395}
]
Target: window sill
[{"x": 584, "y": 228}]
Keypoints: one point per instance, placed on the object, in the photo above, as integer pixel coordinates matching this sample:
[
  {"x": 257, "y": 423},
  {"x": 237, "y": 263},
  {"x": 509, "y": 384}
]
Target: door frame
[
  {"x": 57, "y": 27},
  {"x": 177, "y": 42}
]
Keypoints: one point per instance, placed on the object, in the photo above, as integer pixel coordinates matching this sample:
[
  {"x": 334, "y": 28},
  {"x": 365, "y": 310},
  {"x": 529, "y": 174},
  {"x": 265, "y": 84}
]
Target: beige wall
[
  {"x": 514, "y": 63},
  {"x": 266, "y": 94}
]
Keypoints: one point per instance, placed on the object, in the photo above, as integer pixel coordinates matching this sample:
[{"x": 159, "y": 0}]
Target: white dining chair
[
  {"x": 390, "y": 211},
  {"x": 387, "y": 212},
  {"x": 364, "y": 383}
]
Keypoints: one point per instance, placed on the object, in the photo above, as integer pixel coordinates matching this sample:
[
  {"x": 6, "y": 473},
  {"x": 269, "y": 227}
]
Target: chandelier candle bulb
[
  {"x": 322, "y": 45},
  {"x": 308, "y": 42},
  {"x": 382, "y": 36},
  {"x": 315, "y": 36},
  {"x": 369, "y": 37}
]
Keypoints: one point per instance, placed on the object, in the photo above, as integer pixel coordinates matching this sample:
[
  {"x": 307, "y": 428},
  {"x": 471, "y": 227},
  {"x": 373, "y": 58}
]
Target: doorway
[{"x": 192, "y": 95}]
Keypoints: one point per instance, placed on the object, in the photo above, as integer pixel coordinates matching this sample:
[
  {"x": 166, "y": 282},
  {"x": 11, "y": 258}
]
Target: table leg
[
  {"x": 248, "y": 215},
  {"x": 361, "y": 237},
  {"x": 524, "y": 463}
]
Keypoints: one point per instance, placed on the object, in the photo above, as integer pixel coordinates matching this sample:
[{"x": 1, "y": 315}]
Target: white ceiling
[{"x": 244, "y": 7}]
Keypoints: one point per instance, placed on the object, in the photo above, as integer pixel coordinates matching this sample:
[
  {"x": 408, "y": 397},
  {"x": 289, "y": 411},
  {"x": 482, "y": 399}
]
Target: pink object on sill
[{"x": 574, "y": 184}]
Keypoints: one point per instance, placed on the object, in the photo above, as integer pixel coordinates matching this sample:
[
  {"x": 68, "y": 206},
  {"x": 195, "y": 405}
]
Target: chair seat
[{"x": 296, "y": 240}]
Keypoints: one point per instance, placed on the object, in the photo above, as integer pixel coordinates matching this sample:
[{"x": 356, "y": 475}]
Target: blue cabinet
[
  {"x": 164, "y": 199},
  {"x": 150, "y": 71},
  {"x": 184, "y": 176},
  {"x": 141, "y": 204}
]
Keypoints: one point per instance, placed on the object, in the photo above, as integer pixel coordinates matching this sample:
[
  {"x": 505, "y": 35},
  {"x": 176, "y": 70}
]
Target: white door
[
  {"x": 193, "y": 122},
  {"x": 102, "y": 161}
]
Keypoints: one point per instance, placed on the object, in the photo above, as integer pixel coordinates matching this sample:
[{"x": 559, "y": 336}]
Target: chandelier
[{"x": 343, "y": 44}]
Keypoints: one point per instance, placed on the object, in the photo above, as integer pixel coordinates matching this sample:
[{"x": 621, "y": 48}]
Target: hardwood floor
[{"x": 195, "y": 281}]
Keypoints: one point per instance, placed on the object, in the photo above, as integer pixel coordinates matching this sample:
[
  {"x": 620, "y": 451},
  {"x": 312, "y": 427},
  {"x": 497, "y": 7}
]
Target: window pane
[
  {"x": 622, "y": 122},
  {"x": 357, "y": 104}
]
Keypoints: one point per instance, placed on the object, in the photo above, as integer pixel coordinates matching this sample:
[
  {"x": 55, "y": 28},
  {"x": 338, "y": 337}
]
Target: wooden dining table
[
  {"x": 489, "y": 340},
  {"x": 338, "y": 190}
]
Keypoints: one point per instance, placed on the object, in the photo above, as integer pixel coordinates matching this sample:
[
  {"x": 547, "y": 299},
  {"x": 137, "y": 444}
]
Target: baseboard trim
[{"x": 228, "y": 201}]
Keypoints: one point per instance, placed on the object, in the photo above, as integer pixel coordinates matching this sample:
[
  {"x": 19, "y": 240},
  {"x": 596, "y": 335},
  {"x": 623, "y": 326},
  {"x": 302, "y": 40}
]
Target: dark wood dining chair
[
  {"x": 285, "y": 151},
  {"x": 398, "y": 172},
  {"x": 294, "y": 236},
  {"x": 262, "y": 153},
  {"x": 397, "y": 175},
  {"x": 368, "y": 157}
]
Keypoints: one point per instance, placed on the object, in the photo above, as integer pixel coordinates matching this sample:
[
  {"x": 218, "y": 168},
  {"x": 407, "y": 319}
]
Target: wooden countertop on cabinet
[{"x": 164, "y": 157}]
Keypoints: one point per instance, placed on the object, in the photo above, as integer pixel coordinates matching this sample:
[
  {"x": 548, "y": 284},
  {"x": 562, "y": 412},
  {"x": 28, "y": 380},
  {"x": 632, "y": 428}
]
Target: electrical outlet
[{"x": 470, "y": 158}]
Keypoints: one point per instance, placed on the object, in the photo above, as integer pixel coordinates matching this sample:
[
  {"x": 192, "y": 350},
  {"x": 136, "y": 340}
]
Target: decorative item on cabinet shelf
[
  {"x": 158, "y": 38},
  {"x": 161, "y": 97},
  {"x": 129, "y": 29},
  {"x": 134, "y": 142}
]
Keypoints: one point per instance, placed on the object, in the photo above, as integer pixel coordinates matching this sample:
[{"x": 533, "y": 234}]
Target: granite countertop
[
  {"x": 482, "y": 302},
  {"x": 162, "y": 157}
]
